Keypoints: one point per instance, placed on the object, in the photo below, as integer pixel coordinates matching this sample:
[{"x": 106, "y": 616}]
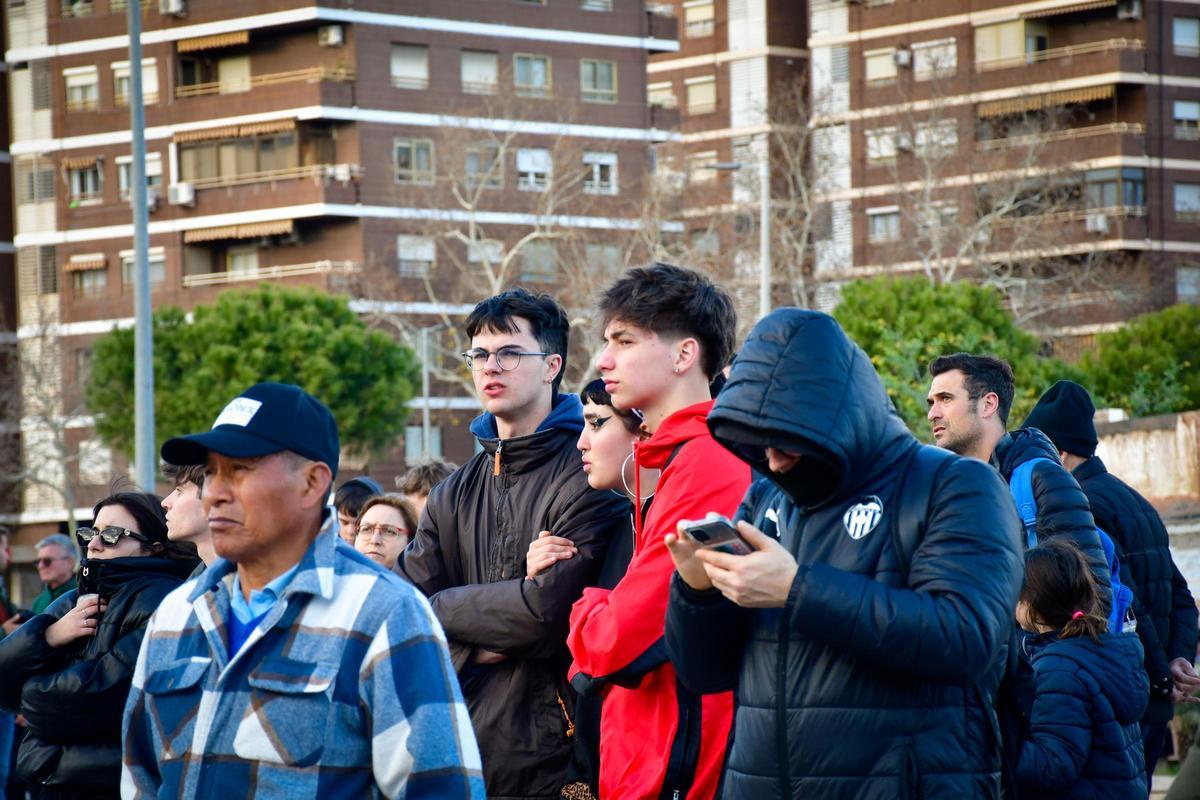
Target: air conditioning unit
[
  {"x": 330, "y": 36},
  {"x": 902, "y": 57},
  {"x": 175, "y": 8},
  {"x": 1129, "y": 9},
  {"x": 153, "y": 198},
  {"x": 904, "y": 142},
  {"x": 181, "y": 194},
  {"x": 1096, "y": 223}
]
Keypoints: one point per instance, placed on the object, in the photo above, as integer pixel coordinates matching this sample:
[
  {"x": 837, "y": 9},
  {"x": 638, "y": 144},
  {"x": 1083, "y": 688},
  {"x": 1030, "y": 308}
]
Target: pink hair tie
[{"x": 1077, "y": 615}]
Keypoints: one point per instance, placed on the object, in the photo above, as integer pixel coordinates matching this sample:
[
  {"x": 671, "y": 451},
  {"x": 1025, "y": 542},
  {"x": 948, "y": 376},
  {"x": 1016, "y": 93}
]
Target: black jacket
[
  {"x": 1062, "y": 507},
  {"x": 73, "y": 696},
  {"x": 468, "y": 556},
  {"x": 873, "y": 681},
  {"x": 1166, "y": 612}
]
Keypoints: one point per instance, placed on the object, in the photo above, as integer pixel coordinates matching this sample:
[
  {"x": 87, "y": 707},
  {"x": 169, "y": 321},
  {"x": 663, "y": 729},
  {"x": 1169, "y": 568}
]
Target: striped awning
[
  {"x": 270, "y": 126},
  {"x": 85, "y": 261},
  {"x": 1071, "y": 9},
  {"x": 1018, "y": 105},
  {"x": 206, "y": 135},
  {"x": 251, "y": 230},
  {"x": 231, "y": 39},
  {"x": 79, "y": 162}
]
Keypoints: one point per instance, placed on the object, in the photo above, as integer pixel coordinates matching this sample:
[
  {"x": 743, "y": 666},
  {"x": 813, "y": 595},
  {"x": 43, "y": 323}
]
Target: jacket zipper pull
[{"x": 496, "y": 461}]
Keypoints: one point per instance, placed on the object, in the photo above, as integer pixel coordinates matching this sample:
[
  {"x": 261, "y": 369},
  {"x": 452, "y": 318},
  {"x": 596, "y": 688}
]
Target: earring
[{"x": 677, "y": 370}]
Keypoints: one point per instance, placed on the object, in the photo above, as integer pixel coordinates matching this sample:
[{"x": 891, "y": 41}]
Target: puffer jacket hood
[
  {"x": 802, "y": 386},
  {"x": 1019, "y": 446},
  {"x": 566, "y": 414}
]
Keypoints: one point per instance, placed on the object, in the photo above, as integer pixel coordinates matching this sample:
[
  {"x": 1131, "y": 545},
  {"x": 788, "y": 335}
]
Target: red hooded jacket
[{"x": 657, "y": 739}]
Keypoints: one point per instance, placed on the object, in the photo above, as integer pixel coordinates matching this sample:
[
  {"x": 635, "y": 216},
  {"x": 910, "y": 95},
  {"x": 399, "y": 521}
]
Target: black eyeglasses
[
  {"x": 110, "y": 535},
  {"x": 507, "y": 358}
]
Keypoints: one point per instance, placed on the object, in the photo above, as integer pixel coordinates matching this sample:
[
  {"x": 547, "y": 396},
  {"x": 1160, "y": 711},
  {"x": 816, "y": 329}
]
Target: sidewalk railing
[{"x": 263, "y": 273}]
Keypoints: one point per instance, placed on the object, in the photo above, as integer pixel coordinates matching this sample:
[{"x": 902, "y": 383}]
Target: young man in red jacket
[{"x": 667, "y": 331}]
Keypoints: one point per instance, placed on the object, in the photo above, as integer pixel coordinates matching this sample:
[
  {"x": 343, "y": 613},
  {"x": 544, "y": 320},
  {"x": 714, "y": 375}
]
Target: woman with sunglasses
[
  {"x": 68, "y": 669},
  {"x": 384, "y": 528},
  {"x": 606, "y": 445}
]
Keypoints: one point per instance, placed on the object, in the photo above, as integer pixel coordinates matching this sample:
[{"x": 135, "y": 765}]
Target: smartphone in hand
[{"x": 717, "y": 533}]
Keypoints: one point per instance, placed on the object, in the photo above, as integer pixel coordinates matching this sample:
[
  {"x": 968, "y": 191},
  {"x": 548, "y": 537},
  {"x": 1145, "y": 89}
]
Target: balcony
[
  {"x": 1060, "y": 53},
  {"x": 309, "y": 75},
  {"x": 1071, "y": 144},
  {"x": 665, "y": 117},
  {"x": 663, "y": 26},
  {"x": 1059, "y": 63},
  {"x": 318, "y": 173},
  {"x": 265, "y": 273}
]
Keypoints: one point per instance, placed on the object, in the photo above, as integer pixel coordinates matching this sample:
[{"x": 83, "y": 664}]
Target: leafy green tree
[
  {"x": 295, "y": 336},
  {"x": 1151, "y": 365},
  {"x": 904, "y": 323}
]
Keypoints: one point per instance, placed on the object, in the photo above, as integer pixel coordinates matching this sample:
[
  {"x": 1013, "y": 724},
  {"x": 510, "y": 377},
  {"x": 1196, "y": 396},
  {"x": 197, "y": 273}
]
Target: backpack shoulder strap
[
  {"x": 1020, "y": 484},
  {"x": 913, "y": 498}
]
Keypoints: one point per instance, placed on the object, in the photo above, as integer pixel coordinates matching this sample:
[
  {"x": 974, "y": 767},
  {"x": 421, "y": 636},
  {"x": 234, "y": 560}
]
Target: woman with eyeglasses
[
  {"x": 384, "y": 527},
  {"x": 68, "y": 670}
]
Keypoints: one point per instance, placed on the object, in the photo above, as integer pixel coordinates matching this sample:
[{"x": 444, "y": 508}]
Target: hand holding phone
[{"x": 716, "y": 532}]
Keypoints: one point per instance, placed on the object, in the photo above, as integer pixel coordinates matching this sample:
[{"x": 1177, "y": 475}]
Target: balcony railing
[
  {"x": 309, "y": 75},
  {"x": 1077, "y": 214},
  {"x": 264, "y": 273},
  {"x": 317, "y": 172},
  {"x": 1066, "y": 134},
  {"x": 1054, "y": 53}
]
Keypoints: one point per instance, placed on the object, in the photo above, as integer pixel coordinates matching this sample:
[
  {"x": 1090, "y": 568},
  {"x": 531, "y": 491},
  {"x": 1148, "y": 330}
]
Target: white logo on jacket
[{"x": 862, "y": 517}]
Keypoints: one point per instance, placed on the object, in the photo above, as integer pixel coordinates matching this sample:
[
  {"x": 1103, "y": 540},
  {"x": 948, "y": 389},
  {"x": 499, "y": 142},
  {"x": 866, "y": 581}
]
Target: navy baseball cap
[{"x": 266, "y": 418}]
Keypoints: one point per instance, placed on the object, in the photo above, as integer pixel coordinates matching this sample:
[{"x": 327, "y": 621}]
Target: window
[
  {"x": 934, "y": 59},
  {"x": 880, "y": 65},
  {"x": 533, "y": 169},
  {"x": 414, "y": 256},
  {"x": 483, "y": 166},
  {"x": 596, "y": 5},
  {"x": 539, "y": 261},
  {"x": 233, "y": 75},
  {"x": 531, "y": 75},
  {"x": 216, "y": 163},
  {"x": 698, "y": 19},
  {"x": 604, "y": 258},
  {"x": 489, "y": 250},
  {"x": 1186, "y": 36},
  {"x": 125, "y": 171},
  {"x": 598, "y": 81},
  {"x": 39, "y": 73},
  {"x": 936, "y": 138},
  {"x": 410, "y": 66},
  {"x": 122, "y": 85},
  {"x": 1008, "y": 43},
  {"x": 1187, "y": 285},
  {"x": 661, "y": 94},
  {"x": 881, "y": 145},
  {"x": 83, "y": 88},
  {"x": 34, "y": 181},
  {"x": 89, "y": 282},
  {"x": 1187, "y": 202},
  {"x": 37, "y": 269},
  {"x": 479, "y": 70},
  {"x": 196, "y": 71},
  {"x": 839, "y": 64},
  {"x": 883, "y": 224},
  {"x": 701, "y": 94},
  {"x": 702, "y": 168},
  {"x": 414, "y": 446},
  {"x": 706, "y": 244},
  {"x": 414, "y": 161},
  {"x": 940, "y": 214},
  {"x": 601, "y": 177},
  {"x": 158, "y": 268},
  {"x": 77, "y": 8},
  {"x": 1187, "y": 119},
  {"x": 86, "y": 183},
  {"x": 241, "y": 260},
  {"x": 1111, "y": 188}
]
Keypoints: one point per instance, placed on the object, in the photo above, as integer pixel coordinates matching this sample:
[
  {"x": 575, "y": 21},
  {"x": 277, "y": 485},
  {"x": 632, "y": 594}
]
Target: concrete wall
[{"x": 1158, "y": 456}]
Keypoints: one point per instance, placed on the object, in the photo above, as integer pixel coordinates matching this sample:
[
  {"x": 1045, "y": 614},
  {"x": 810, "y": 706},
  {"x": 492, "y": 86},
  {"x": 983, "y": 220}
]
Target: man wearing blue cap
[{"x": 293, "y": 667}]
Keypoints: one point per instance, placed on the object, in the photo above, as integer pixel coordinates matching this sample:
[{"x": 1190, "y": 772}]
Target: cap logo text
[{"x": 239, "y": 412}]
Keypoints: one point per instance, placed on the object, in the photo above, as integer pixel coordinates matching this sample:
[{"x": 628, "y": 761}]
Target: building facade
[{"x": 399, "y": 152}]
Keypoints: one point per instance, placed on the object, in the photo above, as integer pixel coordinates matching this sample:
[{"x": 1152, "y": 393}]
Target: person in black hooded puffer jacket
[
  {"x": 68, "y": 670},
  {"x": 874, "y": 679}
]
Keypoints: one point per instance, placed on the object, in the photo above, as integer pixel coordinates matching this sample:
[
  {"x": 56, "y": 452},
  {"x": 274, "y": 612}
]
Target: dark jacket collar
[
  {"x": 1017, "y": 447},
  {"x": 522, "y": 453},
  {"x": 1089, "y": 469}
]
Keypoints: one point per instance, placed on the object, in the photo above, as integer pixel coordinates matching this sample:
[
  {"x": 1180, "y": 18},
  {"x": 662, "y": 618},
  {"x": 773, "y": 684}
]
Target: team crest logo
[{"x": 861, "y": 518}]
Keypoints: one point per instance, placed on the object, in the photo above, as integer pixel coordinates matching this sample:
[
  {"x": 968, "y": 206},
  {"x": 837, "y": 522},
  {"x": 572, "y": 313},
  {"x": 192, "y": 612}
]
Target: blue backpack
[{"x": 1021, "y": 485}]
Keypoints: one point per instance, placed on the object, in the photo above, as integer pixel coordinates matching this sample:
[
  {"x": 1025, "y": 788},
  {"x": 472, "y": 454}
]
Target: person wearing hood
[
  {"x": 867, "y": 642},
  {"x": 1166, "y": 612},
  {"x": 468, "y": 555},
  {"x": 668, "y": 331},
  {"x": 68, "y": 670},
  {"x": 1090, "y": 690}
]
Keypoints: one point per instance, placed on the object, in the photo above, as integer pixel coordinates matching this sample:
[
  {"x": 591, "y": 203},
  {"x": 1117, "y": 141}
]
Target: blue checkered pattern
[{"x": 345, "y": 689}]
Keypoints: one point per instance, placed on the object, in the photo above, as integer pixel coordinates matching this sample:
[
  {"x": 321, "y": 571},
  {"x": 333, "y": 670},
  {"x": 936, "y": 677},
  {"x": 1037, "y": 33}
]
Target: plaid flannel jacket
[{"x": 345, "y": 689}]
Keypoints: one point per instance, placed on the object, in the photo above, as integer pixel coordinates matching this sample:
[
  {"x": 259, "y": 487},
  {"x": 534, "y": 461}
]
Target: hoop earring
[{"x": 625, "y": 481}]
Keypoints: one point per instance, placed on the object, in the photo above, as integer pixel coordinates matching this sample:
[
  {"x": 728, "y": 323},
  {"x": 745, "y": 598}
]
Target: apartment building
[
  {"x": 735, "y": 60},
  {"x": 1047, "y": 146},
  {"x": 363, "y": 147}
]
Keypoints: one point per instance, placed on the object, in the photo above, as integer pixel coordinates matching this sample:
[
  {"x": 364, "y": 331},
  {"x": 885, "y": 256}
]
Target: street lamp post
[
  {"x": 764, "y": 227},
  {"x": 145, "y": 457}
]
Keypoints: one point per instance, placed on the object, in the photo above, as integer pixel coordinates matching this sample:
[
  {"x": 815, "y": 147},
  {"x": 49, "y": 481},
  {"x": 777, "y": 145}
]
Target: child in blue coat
[{"x": 1089, "y": 687}]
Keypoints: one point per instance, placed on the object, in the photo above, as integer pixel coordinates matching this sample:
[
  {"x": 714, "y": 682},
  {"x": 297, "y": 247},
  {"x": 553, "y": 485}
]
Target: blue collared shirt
[{"x": 261, "y": 600}]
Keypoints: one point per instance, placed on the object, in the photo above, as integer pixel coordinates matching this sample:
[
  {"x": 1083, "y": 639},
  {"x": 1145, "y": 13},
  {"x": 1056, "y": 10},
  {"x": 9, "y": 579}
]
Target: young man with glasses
[
  {"x": 507, "y": 633},
  {"x": 56, "y": 560}
]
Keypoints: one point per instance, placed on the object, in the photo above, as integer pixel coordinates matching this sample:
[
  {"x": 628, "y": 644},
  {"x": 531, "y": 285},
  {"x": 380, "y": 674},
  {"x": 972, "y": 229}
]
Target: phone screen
[{"x": 718, "y": 534}]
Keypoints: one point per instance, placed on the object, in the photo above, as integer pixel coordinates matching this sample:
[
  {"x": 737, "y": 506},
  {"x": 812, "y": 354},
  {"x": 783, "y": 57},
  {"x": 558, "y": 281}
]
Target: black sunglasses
[{"x": 110, "y": 535}]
